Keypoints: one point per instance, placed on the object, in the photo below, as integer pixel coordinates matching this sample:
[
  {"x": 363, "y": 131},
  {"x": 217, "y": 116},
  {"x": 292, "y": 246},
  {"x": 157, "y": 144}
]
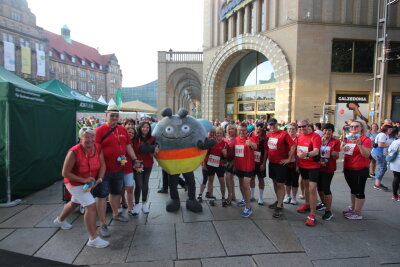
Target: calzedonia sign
[{"x": 229, "y": 7}]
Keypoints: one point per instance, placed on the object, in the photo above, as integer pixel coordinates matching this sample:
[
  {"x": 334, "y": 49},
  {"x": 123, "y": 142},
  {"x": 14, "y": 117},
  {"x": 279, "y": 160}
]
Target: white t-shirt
[
  {"x": 395, "y": 165},
  {"x": 321, "y": 133}
]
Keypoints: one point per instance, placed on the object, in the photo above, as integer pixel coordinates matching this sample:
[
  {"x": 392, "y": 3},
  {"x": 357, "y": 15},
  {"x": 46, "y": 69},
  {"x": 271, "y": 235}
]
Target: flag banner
[
  {"x": 25, "y": 60},
  {"x": 9, "y": 56},
  {"x": 119, "y": 98},
  {"x": 41, "y": 63}
]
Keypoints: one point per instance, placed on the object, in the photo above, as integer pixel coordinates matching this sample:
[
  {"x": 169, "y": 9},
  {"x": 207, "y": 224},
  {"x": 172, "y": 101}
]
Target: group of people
[{"x": 114, "y": 161}]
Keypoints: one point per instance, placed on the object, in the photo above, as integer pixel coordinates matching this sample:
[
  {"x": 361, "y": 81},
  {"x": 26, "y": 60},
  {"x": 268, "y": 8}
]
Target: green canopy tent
[
  {"x": 36, "y": 130},
  {"x": 82, "y": 102}
]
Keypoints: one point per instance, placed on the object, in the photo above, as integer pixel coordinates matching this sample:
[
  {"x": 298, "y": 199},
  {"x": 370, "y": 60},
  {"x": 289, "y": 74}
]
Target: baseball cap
[{"x": 272, "y": 121}]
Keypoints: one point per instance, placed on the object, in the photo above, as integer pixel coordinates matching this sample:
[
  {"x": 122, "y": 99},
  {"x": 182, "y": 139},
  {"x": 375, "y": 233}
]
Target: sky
[{"x": 132, "y": 29}]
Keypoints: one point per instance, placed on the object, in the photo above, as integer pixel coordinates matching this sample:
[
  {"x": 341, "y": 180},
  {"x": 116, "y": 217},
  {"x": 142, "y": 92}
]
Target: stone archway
[{"x": 217, "y": 73}]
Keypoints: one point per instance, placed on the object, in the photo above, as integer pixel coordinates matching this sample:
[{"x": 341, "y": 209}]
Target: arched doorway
[{"x": 214, "y": 98}]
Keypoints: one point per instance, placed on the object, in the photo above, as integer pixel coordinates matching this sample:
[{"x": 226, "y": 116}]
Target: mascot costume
[{"x": 183, "y": 146}]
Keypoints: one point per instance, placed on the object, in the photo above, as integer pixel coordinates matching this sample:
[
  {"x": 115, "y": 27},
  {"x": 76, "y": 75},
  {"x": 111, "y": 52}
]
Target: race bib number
[
  {"x": 239, "y": 151},
  {"x": 349, "y": 149},
  {"x": 272, "y": 143},
  {"x": 326, "y": 153},
  {"x": 257, "y": 156},
  {"x": 213, "y": 161},
  {"x": 302, "y": 149}
]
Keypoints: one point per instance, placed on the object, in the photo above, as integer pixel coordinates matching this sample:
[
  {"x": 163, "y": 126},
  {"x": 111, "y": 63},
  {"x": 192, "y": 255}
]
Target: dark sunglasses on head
[
  {"x": 303, "y": 126},
  {"x": 84, "y": 129},
  {"x": 114, "y": 115}
]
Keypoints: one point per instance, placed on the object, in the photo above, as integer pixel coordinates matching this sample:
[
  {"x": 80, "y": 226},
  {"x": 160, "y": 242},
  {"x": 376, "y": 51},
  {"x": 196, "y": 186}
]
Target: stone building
[
  {"x": 23, "y": 46},
  {"x": 285, "y": 58}
]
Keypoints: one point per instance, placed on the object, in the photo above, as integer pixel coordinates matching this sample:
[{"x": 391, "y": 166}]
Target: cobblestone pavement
[{"x": 216, "y": 237}]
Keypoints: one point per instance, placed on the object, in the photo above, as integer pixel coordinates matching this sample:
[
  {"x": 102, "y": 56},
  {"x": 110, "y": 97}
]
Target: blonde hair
[
  {"x": 85, "y": 130},
  {"x": 220, "y": 129},
  {"x": 364, "y": 127},
  {"x": 229, "y": 127}
]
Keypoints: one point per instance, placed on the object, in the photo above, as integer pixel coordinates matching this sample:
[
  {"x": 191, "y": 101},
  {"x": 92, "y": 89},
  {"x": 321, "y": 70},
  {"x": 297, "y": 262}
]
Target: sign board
[
  {"x": 229, "y": 7},
  {"x": 351, "y": 106}
]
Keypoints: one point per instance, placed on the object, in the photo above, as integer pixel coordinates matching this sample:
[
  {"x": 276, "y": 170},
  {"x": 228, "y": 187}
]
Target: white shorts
[
  {"x": 128, "y": 180},
  {"x": 81, "y": 197}
]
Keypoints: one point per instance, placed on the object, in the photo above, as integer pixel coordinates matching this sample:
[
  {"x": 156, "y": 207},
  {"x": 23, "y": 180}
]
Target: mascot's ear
[
  {"x": 207, "y": 124},
  {"x": 166, "y": 112},
  {"x": 183, "y": 113}
]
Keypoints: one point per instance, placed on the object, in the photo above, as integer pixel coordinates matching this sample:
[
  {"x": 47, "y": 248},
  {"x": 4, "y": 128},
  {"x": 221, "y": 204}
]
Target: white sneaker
[
  {"x": 286, "y": 200},
  {"x": 260, "y": 202},
  {"x": 98, "y": 243},
  {"x": 145, "y": 208},
  {"x": 136, "y": 209},
  {"x": 64, "y": 224},
  {"x": 293, "y": 201}
]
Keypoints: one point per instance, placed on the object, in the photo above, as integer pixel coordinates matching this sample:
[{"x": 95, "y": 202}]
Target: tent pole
[{"x": 9, "y": 203}]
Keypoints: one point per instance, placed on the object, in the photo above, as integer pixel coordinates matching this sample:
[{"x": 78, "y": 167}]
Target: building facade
[
  {"x": 146, "y": 93},
  {"x": 38, "y": 55},
  {"x": 82, "y": 67},
  {"x": 285, "y": 58},
  {"x": 23, "y": 46}
]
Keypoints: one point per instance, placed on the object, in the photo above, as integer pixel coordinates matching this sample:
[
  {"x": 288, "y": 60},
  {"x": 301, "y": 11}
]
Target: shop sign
[
  {"x": 351, "y": 106},
  {"x": 229, "y": 7}
]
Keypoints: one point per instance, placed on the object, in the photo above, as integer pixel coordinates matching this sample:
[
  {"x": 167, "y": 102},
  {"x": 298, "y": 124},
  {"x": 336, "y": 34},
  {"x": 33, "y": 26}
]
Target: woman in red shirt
[
  {"x": 357, "y": 149},
  {"x": 83, "y": 166},
  {"x": 144, "y": 147}
]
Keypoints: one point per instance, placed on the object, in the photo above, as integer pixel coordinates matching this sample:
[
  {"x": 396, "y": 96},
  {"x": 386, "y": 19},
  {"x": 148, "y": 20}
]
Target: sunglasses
[
  {"x": 354, "y": 126},
  {"x": 114, "y": 115},
  {"x": 85, "y": 129},
  {"x": 303, "y": 126}
]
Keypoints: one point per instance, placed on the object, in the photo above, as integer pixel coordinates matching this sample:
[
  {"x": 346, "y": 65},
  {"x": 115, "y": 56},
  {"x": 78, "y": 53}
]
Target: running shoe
[
  {"x": 247, "y": 212},
  {"x": 207, "y": 194},
  {"x": 310, "y": 220},
  {"x": 63, "y": 225},
  {"x": 224, "y": 204},
  {"x": 286, "y": 200},
  {"x": 212, "y": 202},
  {"x": 327, "y": 216},
  {"x": 136, "y": 210},
  {"x": 395, "y": 198},
  {"x": 321, "y": 206},
  {"x": 381, "y": 187},
  {"x": 278, "y": 212},
  {"x": 252, "y": 199},
  {"x": 273, "y": 206},
  {"x": 163, "y": 191},
  {"x": 303, "y": 208},
  {"x": 293, "y": 201},
  {"x": 103, "y": 231},
  {"x": 98, "y": 243},
  {"x": 260, "y": 202},
  {"x": 353, "y": 216},
  {"x": 145, "y": 208},
  {"x": 120, "y": 217},
  {"x": 301, "y": 196},
  {"x": 200, "y": 198},
  {"x": 241, "y": 203},
  {"x": 348, "y": 210}
]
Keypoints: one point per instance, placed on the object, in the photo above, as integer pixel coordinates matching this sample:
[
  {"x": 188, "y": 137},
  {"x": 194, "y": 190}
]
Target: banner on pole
[
  {"x": 41, "y": 63},
  {"x": 25, "y": 60},
  {"x": 9, "y": 56}
]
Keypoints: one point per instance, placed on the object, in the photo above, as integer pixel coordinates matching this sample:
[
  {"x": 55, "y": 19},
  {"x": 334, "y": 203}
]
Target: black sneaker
[
  {"x": 278, "y": 212},
  {"x": 212, "y": 202},
  {"x": 327, "y": 216},
  {"x": 273, "y": 206},
  {"x": 163, "y": 191},
  {"x": 224, "y": 204},
  {"x": 321, "y": 206},
  {"x": 207, "y": 194},
  {"x": 381, "y": 187},
  {"x": 200, "y": 198}
]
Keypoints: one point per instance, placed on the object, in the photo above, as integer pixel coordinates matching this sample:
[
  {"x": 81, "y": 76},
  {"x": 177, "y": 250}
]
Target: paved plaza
[{"x": 216, "y": 237}]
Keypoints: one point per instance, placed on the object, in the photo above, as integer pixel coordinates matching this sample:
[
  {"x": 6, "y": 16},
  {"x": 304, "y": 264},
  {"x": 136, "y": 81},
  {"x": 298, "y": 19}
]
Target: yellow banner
[{"x": 25, "y": 60}]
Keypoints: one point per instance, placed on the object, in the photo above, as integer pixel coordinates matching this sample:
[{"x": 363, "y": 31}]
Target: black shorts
[
  {"x": 293, "y": 177},
  {"x": 277, "y": 172},
  {"x": 258, "y": 172},
  {"x": 113, "y": 183},
  {"x": 242, "y": 174},
  {"x": 310, "y": 174},
  {"x": 230, "y": 169},
  {"x": 220, "y": 171}
]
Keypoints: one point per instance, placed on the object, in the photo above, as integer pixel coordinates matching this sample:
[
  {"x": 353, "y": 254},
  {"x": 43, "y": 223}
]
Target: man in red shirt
[
  {"x": 308, "y": 147},
  {"x": 281, "y": 149},
  {"x": 115, "y": 144},
  {"x": 244, "y": 166}
]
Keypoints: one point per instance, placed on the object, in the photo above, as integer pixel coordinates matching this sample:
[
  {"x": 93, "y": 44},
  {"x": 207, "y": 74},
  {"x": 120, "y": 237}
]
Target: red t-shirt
[
  {"x": 244, "y": 155},
  {"x": 113, "y": 146},
  {"x": 353, "y": 160},
  {"x": 84, "y": 167},
  {"x": 279, "y": 144},
  {"x": 258, "y": 155},
  {"x": 147, "y": 158},
  {"x": 128, "y": 168},
  {"x": 307, "y": 143},
  {"x": 214, "y": 157},
  {"x": 326, "y": 152}
]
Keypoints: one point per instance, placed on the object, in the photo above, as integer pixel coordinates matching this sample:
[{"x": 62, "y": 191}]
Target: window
[
  {"x": 353, "y": 56},
  {"x": 93, "y": 88},
  {"x": 92, "y": 65},
  {"x": 83, "y": 74},
  {"x": 8, "y": 37},
  {"x": 73, "y": 60},
  {"x": 101, "y": 67},
  {"x": 24, "y": 42},
  {"x": 92, "y": 77},
  {"x": 39, "y": 47},
  {"x": 15, "y": 16},
  {"x": 393, "y": 58},
  {"x": 83, "y": 62},
  {"x": 62, "y": 57}
]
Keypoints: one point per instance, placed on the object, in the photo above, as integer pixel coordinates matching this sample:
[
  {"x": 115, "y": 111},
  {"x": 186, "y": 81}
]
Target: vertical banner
[
  {"x": 41, "y": 63},
  {"x": 351, "y": 106},
  {"x": 119, "y": 98},
  {"x": 9, "y": 56},
  {"x": 25, "y": 60}
]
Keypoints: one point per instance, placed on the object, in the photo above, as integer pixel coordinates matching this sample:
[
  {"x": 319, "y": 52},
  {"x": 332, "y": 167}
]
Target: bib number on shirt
[
  {"x": 213, "y": 161},
  {"x": 326, "y": 153},
  {"x": 302, "y": 149},
  {"x": 239, "y": 151},
  {"x": 273, "y": 143},
  {"x": 349, "y": 149},
  {"x": 257, "y": 156}
]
